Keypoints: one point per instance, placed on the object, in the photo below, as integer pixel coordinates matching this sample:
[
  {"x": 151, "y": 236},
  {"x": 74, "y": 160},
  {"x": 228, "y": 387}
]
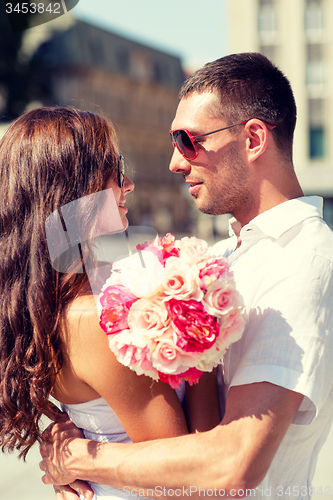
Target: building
[
  {"x": 137, "y": 88},
  {"x": 297, "y": 35}
]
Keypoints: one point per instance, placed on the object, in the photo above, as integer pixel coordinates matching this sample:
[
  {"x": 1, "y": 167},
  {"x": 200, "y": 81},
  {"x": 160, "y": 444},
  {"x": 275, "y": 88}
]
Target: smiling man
[
  {"x": 217, "y": 164},
  {"x": 233, "y": 136}
]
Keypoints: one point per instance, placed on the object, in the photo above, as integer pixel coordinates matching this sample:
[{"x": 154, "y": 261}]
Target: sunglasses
[
  {"x": 121, "y": 171},
  {"x": 185, "y": 142}
]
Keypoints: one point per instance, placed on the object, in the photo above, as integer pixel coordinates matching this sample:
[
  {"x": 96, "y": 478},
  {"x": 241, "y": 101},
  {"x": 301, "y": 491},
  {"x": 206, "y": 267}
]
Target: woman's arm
[
  {"x": 201, "y": 405},
  {"x": 147, "y": 409}
]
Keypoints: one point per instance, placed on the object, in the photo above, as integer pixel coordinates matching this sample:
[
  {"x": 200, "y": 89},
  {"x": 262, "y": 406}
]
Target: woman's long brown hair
[{"x": 48, "y": 158}]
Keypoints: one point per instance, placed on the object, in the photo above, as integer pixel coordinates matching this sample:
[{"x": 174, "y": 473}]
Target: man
[{"x": 233, "y": 135}]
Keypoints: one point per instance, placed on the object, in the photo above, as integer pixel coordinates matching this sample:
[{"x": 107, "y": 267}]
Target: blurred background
[{"x": 126, "y": 59}]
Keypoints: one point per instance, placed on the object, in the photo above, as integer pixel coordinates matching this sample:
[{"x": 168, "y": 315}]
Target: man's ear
[{"x": 257, "y": 139}]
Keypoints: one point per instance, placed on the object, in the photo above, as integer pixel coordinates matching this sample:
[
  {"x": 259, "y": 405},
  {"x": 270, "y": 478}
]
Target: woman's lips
[{"x": 122, "y": 205}]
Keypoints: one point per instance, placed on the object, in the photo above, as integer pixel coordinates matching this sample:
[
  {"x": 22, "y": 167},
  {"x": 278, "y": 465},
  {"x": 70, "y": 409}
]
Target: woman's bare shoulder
[{"x": 81, "y": 317}]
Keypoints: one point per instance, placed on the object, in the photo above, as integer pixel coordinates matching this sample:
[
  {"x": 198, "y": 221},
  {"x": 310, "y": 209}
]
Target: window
[
  {"x": 314, "y": 16},
  {"x": 97, "y": 51},
  {"x": 315, "y": 64},
  {"x": 141, "y": 66},
  {"x": 317, "y": 143},
  {"x": 157, "y": 72},
  {"x": 316, "y": 111},
  {"x": 328, "y": 211},
  {"x": 267, "y": 28},
  {"x": 267, "y": 17},
  {"x": 123, "y": 58}
]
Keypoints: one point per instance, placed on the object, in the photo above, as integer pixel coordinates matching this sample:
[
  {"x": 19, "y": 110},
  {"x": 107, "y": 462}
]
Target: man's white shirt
[{"x": 284, "y": 271}]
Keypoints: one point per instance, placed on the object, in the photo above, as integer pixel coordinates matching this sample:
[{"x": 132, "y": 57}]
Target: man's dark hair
[{"x": 249, "y": 86}]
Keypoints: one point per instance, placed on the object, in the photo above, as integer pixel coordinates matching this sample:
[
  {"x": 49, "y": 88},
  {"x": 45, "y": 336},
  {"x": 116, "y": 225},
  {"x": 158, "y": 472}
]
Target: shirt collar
[
  {"x": 279, "y": 219},
  {"x": 234, "y": 227}
]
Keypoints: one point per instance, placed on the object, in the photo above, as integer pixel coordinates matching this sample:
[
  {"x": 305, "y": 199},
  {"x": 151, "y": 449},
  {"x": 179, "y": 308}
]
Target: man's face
[{"x": 218, "y": 177}]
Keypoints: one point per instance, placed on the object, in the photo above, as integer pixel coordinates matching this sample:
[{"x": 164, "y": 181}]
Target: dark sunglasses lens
[
  {"x": 121, "y": 171},
  {"x": 184, "y": 144}
]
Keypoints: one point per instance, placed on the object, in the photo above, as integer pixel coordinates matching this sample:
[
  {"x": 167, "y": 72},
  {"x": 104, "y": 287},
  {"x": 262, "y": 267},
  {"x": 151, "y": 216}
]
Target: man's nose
[{"x": 178, "y": 164}]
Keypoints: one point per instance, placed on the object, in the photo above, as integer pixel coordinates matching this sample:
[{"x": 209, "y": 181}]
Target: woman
[{"x": 51, "y": 342}]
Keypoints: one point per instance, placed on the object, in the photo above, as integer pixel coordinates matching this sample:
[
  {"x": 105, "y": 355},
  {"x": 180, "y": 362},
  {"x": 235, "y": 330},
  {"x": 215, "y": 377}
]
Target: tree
[{"x": 14, "y": 74}]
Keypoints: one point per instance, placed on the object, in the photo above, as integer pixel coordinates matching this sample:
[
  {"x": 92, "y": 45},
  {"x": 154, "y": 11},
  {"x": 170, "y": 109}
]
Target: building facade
[
  {"x": 136, "y": 87},
  {"x": 297, "y": 35}
]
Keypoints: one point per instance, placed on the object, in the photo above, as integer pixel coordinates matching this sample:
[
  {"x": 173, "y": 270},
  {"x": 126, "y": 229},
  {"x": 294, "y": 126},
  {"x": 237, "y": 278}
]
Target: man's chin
[
  {"x": 208, "y": 208},
  {"x": 203, "y": 208},
  {"x": 205, "y": 204}
]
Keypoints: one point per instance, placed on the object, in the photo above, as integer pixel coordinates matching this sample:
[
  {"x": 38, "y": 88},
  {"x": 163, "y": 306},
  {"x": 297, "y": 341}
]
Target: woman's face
[{"x": 120, "y": 194}]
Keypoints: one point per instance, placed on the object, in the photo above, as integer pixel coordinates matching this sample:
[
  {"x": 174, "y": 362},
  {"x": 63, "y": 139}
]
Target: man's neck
[{"x": 269, "y": 195}]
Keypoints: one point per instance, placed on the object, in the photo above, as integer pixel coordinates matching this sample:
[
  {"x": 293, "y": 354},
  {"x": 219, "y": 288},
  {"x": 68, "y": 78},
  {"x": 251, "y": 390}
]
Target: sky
[{"x": 194, "y": 30}]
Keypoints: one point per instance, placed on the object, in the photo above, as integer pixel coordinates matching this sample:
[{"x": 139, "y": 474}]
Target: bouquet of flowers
[{"x": 171, "y": 310}]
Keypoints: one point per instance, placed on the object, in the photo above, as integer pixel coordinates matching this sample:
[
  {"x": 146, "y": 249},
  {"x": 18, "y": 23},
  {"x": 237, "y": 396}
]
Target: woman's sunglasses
[
  {"x": 121, "y": 171},
  {"x": 185, "y": 142}
]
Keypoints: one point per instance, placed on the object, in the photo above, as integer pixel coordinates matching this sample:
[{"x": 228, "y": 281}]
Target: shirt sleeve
[{"x": 288, "y": 340}]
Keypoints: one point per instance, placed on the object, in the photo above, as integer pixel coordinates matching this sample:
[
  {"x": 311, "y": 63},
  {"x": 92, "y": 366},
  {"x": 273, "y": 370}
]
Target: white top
[
  {"x": 284, "y": 271},
  {"x": 99, "y": 423}
]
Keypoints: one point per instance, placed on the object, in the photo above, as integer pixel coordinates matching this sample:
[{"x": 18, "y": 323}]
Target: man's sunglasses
[
  {"x": 121, "y": 171},
  {"x": 185, "y": 142}
]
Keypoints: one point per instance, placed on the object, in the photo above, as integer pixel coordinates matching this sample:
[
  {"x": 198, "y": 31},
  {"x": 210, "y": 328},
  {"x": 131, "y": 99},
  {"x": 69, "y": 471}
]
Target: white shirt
[{"x": 284, "y": 271}]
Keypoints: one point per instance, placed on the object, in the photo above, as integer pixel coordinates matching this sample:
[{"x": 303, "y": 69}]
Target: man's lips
[{"x": 194, "y": 186}]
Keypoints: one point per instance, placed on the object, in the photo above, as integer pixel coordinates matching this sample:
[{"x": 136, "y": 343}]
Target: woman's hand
[
  {"x": 70, "y": 492},
  {"x": 56, "y": 454}
]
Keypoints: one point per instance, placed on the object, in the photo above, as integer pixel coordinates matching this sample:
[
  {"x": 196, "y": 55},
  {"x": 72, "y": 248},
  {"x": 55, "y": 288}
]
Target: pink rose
[
  {"x": 173, "y": 380},
  {"x": 169, "y": 248},
  {"x": 163, "y": 248},
  {"x": 154, "y": 247},
  {"x": 150, "y": 316},
  {"x": 192, "y": 376},
  {"x": 215, "y": 269},
  {"x": 220, "y": 298},
  {"x": 181, "y": 280},
  {"x": 231, "y": 328},
  {"x": 168, "y": 358},
  {"x": 196, "y": 330},
  {"x": 115, "y": 301},
  {"x": 131, "y": 351},
  {"x": 193, "y": 251}
]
